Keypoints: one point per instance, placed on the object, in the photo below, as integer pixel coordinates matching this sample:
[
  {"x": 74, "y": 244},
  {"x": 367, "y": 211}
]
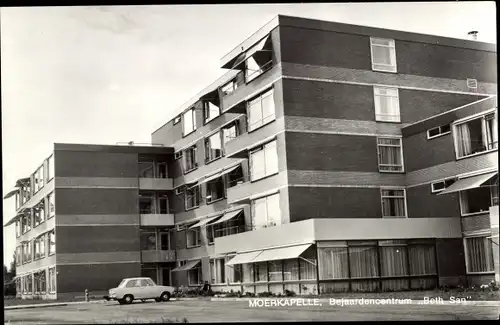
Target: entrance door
[{"x": 165, "y": 272}]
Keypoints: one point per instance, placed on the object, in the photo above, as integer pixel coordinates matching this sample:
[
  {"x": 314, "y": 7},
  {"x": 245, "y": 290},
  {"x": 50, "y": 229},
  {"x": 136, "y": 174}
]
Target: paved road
[{"x": 235, "y": 311}]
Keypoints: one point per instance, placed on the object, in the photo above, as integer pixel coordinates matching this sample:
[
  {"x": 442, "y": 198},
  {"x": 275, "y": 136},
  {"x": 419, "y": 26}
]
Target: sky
[{"x": 115, "y": 74}]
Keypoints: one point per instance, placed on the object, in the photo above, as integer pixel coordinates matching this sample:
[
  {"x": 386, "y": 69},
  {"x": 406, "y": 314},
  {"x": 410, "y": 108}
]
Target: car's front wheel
[
  {"x": 128, "y": 299},
  {"x": 165, "y": 296}
]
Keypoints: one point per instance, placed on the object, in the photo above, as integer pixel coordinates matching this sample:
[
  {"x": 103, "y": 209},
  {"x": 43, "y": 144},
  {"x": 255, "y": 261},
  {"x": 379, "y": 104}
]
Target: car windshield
[{"x": 122, "y": 284}]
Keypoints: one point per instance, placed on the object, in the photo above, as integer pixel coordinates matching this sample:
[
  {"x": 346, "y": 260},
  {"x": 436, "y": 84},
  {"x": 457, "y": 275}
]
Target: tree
[{"x": 12, "y": 269}]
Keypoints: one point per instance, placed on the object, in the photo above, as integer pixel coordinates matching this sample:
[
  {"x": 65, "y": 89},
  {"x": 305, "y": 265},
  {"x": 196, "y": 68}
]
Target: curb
[{"x": 55, "y": 304}]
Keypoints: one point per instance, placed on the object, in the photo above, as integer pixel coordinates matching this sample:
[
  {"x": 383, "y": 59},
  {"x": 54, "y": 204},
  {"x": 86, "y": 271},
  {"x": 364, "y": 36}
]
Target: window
[
  {"x": 177, "y": 119},
  {"x": 230, "y": 132},
  {"x": 52, "y": 242},
  {"x": 190, "y": 159},
  {"x": 192, "y": 197},
  {"x": 217, "y": 269},
  {"x": 50, "y": 168},
  {"x": 494, "y": 191},
  {"x": 275, "y": 270},
  {"x": 148, "y": 241},
  {"x": 39, "y": 213},
  {"x": 363, "y": 260},
  {"x": 29, "y": 248},
  {"x": 189, "y": 122},
  {"x": 393, "y": 203},
  {"x": 477, "y": 135},
  {"x": 165, "y": 240},
  {"x": 260, "y": 272},
  {"x": 383, "y": 53},
  {"x": 179, "y": 190},
  {"x": 40, "y": 283},
  {"x": 19, "y": 255},
  {"x": 29, "y": 284},
  {"x": 146, "y": 168},
  {"x": 52, "y": 280},
  {"x": 162, "y": 170},
  {"x": 39, "y": 180},
  {"x": 266, "y": 212},
  {"x": 386, "y": 104},
  {"x": 18, "y": 227},
  {"x": 476, "y": 200},
  {"x": 438, "y": 131},
  {"x": 26, "y": 221},
  {"x": 291, "y": 270},
  {"x": 213, "y": 147},
  {"x": 211, "y": 110},
  {"x": 479, "y": 253},
  {"x": 393, "y": 258},
  {"x": 264, "y": 161},
  {"x": 193, "y": 238},
  {"x": 422, "y": 258},
  {"x": 178, "y": 155},
  {"x": 235, "y": 177},
  {"x": 225, "y": 228},
  {"x": 39, "y": 247},
  {"x": 333, "y": 262},
  {"x": 52, "y": 205},
  {"x": 194, "y": 275},
  {"x": 390, "y": 155},
  {"x": 441, "y": 185},
  {"x": 146, "y": 203},
  {"x": 260, "y": 61},
  {"x": 261, "y": 110},
  {"x": 229, "y": 87},
  {"x": 215, "y": 190}
]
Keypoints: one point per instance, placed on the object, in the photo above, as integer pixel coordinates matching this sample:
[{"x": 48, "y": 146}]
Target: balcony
[
  {"x": 157, "y": 219},
  {"x": 308, "y": 231},
  {"x": 156, "y": 184},
  {"x": 153, "y": 176},
  {"x": 157, "y": 256}
]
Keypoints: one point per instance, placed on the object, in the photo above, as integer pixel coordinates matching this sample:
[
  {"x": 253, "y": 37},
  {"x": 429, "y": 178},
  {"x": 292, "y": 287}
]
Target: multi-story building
[{"x": 330, "y": 157}]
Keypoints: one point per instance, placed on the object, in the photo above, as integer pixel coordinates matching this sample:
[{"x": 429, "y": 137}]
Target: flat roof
[
  {"x": 300, "y": 22},
  {"x": 144, "y": 149}
]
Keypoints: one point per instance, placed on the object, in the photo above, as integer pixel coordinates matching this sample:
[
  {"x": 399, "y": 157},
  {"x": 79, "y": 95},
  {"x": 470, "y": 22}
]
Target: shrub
[
  {"x": 266, "y": 294},
  {"x": 290, "y": 293},
  {"x": 249, "y": 294}
]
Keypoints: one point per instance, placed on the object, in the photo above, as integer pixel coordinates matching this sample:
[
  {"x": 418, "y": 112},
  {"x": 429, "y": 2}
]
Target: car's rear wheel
[
  {"x": 165, "y": 296},
  {"x": 121, "y": 302},
  {"x": 128, "y": 299}
]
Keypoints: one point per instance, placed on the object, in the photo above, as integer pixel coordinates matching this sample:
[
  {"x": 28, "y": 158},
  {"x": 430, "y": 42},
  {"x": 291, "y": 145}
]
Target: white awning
[
  {"x": 468, "y": 183},
  {"x": 204, "y": 221},
  {"x": 11, "y": 193},
  {"x": 251, "y": 51},
  {"x": 244, "y": 258},
  {"x": 283, "y": 253},
  {"x": 228, "y": 216},
  {"x": 11, "y": 221},
  {"x": 188, "y": 266},
  {"x": 23, "y": 182}
]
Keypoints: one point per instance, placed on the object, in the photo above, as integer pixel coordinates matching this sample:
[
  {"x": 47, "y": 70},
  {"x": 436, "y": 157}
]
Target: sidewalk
[{"x": 325, "y": 301}]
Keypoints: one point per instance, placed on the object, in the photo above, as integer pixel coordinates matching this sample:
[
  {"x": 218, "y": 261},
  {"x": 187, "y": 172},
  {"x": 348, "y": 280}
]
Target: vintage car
[{"x": 131, "y": 289}]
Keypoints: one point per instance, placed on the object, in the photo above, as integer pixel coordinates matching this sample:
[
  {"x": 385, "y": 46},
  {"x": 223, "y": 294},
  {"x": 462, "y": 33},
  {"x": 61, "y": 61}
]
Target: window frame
[
  {"x": 263, "y": 147},
  {"x": 191, "y": 110},
  {"x": 388, "y": 188},
  {"x": 177, "y": 119},
  {"x": 206, "y": 111},
  {"x": 388, "y": 145},
  {"x": 263, "y": 94},
  {"x": 236, "y": 124},
  {"x": 252, "y": 210},
  {"x": 196, "y": 230},
  {"x": 440, "y": 134},
  {"x": 377, "y": 107},
  {"x": 433, "y": 190},
  {"x": 50, "y": 167},
  {"x": 480, "y": 116},
  {"x": 224, "y": 190},
  {"x": 466, "y": 252},
  {"x": 194, "y": 148},
  {"x": 49, "y": 242},
  {"x": 234, "y": 85},
  {"x": 178, "y": 155},
  {"x": 207, "y": 141},
  {"x": 461, "y": 204},
  {"x": 198, "y": 197},
  {"x": 393, "y": 67}
]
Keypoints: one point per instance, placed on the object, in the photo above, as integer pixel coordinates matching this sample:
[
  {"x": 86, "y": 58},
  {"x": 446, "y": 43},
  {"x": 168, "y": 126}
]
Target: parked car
[{"x": 131, "y": 289}]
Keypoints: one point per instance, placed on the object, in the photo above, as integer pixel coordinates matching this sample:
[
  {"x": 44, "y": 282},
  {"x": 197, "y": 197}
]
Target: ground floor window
[
  {"x": 52, "y": 280},
  {"x": 39, "y": 282},
  {"x": 388, "y": 265},
  {"x": 217, "y": 271},
  {"x": 194, "y": 276},
  {"x": 18, "y": 285},
  {"x": 479, "y": 254}
]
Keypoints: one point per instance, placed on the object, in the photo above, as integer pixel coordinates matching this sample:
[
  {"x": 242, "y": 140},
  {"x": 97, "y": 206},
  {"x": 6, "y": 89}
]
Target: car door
[
  {"x": 133, "y": 288},
  {"x": 147, "y": 289}
]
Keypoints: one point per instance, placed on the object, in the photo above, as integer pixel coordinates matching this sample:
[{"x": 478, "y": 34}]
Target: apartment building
[
  {"x": 91, "y": 215},
  {"x": 330, "y": 157}
]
